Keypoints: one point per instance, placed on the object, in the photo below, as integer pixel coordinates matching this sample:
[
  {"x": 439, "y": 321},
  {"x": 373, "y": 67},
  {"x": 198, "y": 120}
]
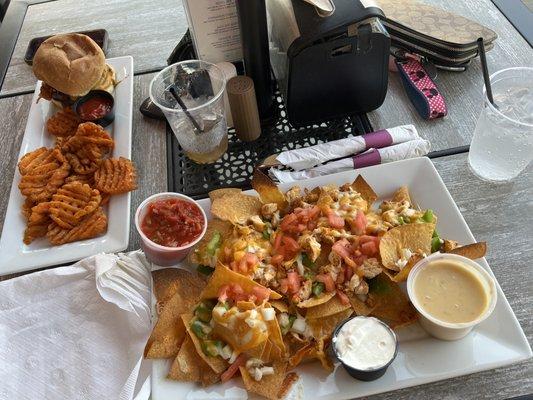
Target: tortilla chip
[
  {"x": 186, "y": 365},
  {"x": 168, "y": 333},
  {"x": 472, "y": 251},
  {"x": 168, "y": 281},
  {"x": 361, "y": 186},
  {"x": 217, "y": 193},
  {"x": 404, "y": 273},
  {"x": 315, "y": 301},
  {"x": 320, "y": 353},
  {"x": 332, "y": 306},
  {"x": 363, "y": 308},
  {"x": 290, "y": 379},
  {"x": 236, "y": 208},
  {"x": 402, "y": 194},
  {"x": 300, "y": 355},
  {"x": 324, "y": 327},
  {"x": 198, "y": 255},
  {"x": 217, "y": 364},
  {"x": 415, "y": 237},
  {"x": 269, "y": 386},
  {"x": 268, "y": 190},
  {"x": 224, "y": 276},
  {"x": 448, "y": 245},
  {"x": 275, "y": 337},
  {"x": 392, "y": 304},
  {"x": 280, "y": 305},
  {"x": 257, "y": 351},
  {"x": 208, "y": 377}
]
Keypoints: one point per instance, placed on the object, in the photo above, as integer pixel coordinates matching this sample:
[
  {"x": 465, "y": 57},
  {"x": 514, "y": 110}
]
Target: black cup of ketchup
[{"x": 96, "y": 106}]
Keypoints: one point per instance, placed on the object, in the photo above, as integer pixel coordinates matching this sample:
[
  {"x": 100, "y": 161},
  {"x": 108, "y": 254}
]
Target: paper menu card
[{"x": 214, "y": 27}]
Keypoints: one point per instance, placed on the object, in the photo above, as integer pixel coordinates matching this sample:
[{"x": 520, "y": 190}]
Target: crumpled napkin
[{"x": 75, "y": 332}]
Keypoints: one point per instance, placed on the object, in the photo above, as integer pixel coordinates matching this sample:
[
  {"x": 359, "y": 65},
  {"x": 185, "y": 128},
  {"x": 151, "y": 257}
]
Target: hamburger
[{"x": 70, "y": 66}]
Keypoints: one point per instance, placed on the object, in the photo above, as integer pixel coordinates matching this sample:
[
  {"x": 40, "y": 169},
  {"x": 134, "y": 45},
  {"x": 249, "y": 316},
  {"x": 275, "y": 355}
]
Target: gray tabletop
[{"x": 498, "y": 214}]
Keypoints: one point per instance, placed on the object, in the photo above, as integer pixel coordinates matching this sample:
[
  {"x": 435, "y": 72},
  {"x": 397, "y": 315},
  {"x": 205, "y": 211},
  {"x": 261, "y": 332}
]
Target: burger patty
[{"x": 49, "y": 93}]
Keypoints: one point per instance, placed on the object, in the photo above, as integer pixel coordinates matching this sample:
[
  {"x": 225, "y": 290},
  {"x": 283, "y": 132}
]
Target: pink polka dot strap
[{"x": 421, "y": 89}]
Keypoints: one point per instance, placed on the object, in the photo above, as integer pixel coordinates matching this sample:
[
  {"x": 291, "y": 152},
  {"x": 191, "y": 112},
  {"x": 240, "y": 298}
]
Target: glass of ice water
[
  {"x": 502, "y": 145},
  {"x": 201, "y": 130}
]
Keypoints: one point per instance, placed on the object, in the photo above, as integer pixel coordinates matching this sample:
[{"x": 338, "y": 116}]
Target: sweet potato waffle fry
[
  {"x": 63, "y": 123},
  {"x": 116, "y": 176},
  {"x": 86, "y": 149},
  {"x": 72, "y": 202},
  {"x": 91, "y": 226},
  {"x": 43, "y": 175},
  {"x": 63, "y": 201}
]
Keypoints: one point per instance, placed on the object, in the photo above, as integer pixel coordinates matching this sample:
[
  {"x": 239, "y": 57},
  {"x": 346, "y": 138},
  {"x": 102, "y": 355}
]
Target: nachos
[{"x": 283, "y": 270}]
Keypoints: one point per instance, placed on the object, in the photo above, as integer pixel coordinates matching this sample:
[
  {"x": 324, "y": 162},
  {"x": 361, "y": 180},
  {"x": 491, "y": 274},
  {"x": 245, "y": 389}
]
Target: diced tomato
[
  {"x": 261, "y": 293},
  {"x": 232, "y": 291},
  {"x": 300, "y": 220},
  {"x": 277, "y": 241},
  {"x": 284, "y": 285},
  {"x": 223, "y": 293},
  {"x": 233, "y": 368},
  {"x": 335, "y": 221},
  {"x": 247, "y": 263},
  {"x": 369, "y": 248},
  {"x": 344, "y": 249},
  {"x": 287, "y": 248},
  {"x": 360, "y": 222},
  {"x": 343, "y": 298},
  {"x": 359, "y": 260},
  {"x": 327, "y": 280},
  {"x": 313, "y": 212},
  {"x": 348, "y": 273},
  {"x": 367, "y": 238},
  {"x": 293, "y": 281},
  {"x": 288, "y": 222}
]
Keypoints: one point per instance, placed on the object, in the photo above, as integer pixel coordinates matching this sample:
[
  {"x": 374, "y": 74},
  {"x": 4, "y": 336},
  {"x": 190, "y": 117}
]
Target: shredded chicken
[
  {"x": 257, "y": 223},
  {"x": 268, "y": 210},
  {"x": 293, "y": 194},
  {"x": 371, "y": 268},
  {"x": 310, "y": 245},
  {"x": 357, "y": 285},
  {"x": 305, "y": 291}
]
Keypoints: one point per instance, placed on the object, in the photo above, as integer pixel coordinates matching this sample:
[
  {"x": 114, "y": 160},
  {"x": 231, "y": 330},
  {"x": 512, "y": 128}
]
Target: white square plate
[
  {"x": 15, "y": 256},
  {"x": 497, "y": 341}
]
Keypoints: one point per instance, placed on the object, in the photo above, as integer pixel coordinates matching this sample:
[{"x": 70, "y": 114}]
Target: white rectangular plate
[
  {"x": 497, "y": 341},
  {"x": 15, "y": 256}
]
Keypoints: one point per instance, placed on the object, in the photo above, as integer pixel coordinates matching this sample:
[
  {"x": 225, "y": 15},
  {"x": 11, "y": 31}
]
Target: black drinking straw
[
  {"x": 184, "y": 108},
  {"x": 485, "y": 69}
]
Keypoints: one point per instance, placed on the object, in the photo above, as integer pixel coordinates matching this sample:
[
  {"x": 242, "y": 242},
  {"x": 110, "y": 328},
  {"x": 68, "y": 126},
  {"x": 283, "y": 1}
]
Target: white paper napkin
[{"x": 75, "y": 332}]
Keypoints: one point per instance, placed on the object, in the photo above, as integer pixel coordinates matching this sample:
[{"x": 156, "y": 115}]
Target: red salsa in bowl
[
  {"x": 169, "y": 224},
  {"x": 172, "y": 222}
]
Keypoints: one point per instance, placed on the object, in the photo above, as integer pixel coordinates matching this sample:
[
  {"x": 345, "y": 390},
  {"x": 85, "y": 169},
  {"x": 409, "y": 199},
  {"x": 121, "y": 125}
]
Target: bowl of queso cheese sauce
[
  {"x": 452, "y": 294},
  {"x": 365, "y": 346},
  {"x": 169, "y": 224}
]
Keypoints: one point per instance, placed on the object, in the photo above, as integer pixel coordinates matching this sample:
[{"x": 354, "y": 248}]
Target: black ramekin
[
  {"x": 364, "y": 374},
  {"x": 106, "y": 119}
]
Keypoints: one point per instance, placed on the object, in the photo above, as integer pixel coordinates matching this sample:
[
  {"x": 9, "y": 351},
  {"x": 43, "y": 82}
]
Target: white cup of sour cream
[{"x": 451, "y": 293}]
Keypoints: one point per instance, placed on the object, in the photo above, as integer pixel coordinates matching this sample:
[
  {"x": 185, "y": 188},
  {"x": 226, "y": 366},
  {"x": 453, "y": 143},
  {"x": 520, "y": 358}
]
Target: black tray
[{"x": 235, "y": 167}]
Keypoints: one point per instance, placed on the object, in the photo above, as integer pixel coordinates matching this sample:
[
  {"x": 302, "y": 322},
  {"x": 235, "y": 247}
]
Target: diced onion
[
  {"x": 226, "y": 352},
  {"x": 299, "y": 325},
  {"x": 268, "y": 314}
]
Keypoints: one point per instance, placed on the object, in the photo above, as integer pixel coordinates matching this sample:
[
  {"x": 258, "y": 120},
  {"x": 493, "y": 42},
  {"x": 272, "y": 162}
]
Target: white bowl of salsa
[
  {"x": 451, "y": 293},
  {"x": 169, "y": 224}
]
